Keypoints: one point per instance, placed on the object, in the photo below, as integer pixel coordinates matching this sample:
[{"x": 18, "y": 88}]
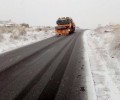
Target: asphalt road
[{"x": 52, "y": 69}]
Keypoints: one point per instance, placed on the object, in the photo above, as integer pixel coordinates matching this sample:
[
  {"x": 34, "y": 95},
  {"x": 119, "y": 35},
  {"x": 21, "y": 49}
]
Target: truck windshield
[{"x": 62, "y": 22}]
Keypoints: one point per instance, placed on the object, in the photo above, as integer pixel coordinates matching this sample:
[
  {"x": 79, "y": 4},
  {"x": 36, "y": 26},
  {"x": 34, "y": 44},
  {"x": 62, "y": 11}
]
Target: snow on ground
[
  {"x": 103, "y": 49},
  {"x": 19, "y": 37}
]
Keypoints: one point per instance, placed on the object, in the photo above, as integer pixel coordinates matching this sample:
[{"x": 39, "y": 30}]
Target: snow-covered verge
[
  {"x": 103, "y": 49},
  {"x": 15, "y": 37}
]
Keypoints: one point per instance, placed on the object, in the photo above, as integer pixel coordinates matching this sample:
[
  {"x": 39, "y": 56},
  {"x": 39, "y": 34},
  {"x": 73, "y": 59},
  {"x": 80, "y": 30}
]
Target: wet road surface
[{"x": 52, "y": 69}]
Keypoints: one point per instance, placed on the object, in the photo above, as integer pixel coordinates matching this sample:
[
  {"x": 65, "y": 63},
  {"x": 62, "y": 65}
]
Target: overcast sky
[{"x": 85, "y": 13}]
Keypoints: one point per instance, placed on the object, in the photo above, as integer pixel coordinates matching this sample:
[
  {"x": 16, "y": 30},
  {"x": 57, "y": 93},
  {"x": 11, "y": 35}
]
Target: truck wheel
[{"x": 73, "y": 29}]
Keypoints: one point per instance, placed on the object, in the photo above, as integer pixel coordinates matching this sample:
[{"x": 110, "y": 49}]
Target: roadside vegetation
[{"x": 13, "y": 36}]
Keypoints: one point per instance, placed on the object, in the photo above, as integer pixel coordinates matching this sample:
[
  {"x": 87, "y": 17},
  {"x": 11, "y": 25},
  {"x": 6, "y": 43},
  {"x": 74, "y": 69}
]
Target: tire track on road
[
  {"x": 24, "y": 75},
  {"x": 9, "y": 72},
  {"x": 40, "y": 75}
]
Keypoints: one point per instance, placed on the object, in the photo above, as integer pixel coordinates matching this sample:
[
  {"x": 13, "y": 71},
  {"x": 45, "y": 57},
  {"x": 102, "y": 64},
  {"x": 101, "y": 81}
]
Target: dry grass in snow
[{"x": 17, "y": 36}]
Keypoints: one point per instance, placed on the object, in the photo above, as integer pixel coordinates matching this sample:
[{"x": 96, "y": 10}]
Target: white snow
[
  {"x": 89, "y": 79},
  {"x": 11, "y": 41},
  {"x": 103, "y": 50}
]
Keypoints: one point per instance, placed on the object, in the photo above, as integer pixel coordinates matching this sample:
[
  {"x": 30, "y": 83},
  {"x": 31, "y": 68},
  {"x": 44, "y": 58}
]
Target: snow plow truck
[{"x": 65, "y": 26}]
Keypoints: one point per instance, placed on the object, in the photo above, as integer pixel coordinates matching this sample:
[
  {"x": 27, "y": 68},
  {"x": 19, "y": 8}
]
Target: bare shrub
[
  {"x": 17, "y": 32},
  {"x": 22, "y": 30},
  {"x": 24, "y": 25},
  {"x": 48, "y": 27},
  {"x": 38, "y": 29},
  {"x": 6, "y": 29},
  {"x": 2, "y": 29},
  {"x": 45, "y": 29}
]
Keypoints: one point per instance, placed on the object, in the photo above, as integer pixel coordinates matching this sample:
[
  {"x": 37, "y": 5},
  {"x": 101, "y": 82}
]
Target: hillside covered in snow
[{"x": 13, "y": 36}]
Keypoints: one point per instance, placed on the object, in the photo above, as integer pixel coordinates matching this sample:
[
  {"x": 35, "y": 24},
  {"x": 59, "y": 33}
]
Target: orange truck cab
[{"x": 65, "y": 26}]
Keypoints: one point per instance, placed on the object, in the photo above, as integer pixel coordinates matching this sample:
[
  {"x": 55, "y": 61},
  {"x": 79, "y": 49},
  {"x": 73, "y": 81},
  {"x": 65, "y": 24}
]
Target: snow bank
[
  {"x": 16, "y": 37},
  {"x": 103, "y": 51},
  {"x": 89, "y": 79},
  {"x": 111, "y": 37}
]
